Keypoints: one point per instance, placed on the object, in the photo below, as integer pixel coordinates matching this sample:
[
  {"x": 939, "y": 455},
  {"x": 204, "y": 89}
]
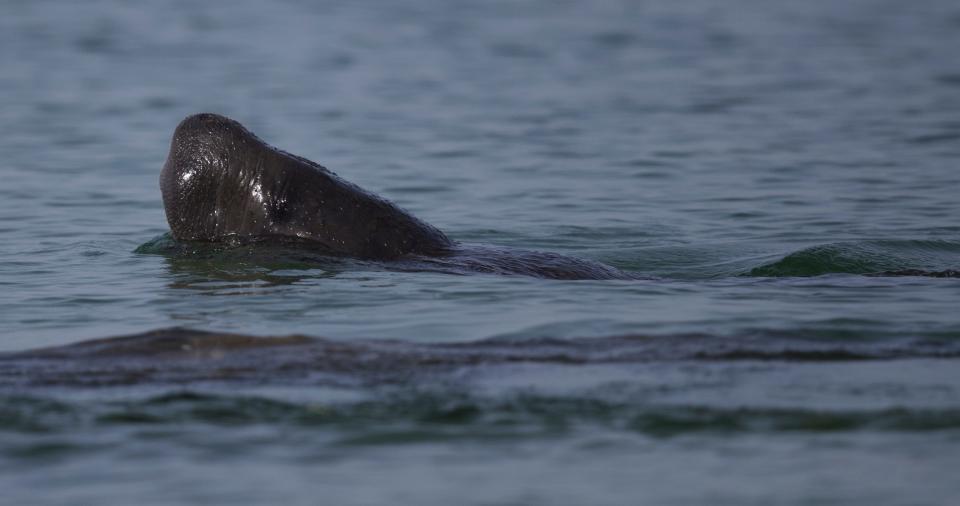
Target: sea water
[{"x": 758, "y": 161}]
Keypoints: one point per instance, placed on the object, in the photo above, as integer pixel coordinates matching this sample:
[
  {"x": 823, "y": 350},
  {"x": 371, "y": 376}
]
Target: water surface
[{"x": 756, "y": 160}]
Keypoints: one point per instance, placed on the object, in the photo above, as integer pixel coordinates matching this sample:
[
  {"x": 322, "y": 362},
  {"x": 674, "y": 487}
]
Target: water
[{"x": 756, "y": 160}]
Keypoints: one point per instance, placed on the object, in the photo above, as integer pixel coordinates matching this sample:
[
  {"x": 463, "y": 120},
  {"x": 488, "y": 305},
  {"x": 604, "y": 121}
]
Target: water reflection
[{"x": 238, "y": 269}]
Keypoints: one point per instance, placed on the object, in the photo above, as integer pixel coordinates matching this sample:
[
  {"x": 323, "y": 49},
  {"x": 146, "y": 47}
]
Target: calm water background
[{"x": 756, "y": 158}]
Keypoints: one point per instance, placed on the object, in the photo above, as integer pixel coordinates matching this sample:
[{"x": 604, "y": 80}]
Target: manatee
[{"x": 222, "y": 183}]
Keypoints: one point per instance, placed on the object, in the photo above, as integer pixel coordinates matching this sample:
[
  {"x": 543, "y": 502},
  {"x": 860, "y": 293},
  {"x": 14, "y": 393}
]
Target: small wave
[
  {"x": 402, "y": 417},
  {"x": 376, "y": 393},
  {"x": 176, "y": 356},
  {"x": 875, "y": 258}
]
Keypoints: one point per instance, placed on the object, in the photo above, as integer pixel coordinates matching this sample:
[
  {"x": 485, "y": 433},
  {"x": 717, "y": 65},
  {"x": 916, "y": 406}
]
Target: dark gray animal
[{"x": 222, "y": 183}]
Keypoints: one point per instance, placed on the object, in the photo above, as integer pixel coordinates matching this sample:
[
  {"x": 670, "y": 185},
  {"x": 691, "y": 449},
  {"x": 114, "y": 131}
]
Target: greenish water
[{"x": 759, "y": 162}]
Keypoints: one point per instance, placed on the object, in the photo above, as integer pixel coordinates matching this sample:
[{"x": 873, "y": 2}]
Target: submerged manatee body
[{"x": 221, "y": 182}]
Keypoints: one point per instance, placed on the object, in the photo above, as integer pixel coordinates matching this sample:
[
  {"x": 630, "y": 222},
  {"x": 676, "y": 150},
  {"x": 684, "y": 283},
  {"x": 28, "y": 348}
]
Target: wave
[
  {"x": 401, "y": 417},
  {"x": 876, "y": 258},
  {"x": 375, "y": 392},
  {"x": 176, "y": 356}
]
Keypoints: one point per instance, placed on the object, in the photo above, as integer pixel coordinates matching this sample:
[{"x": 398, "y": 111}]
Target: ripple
[
  {"x": 181, "y": 356},
  {"x": 893, "y": 258}
]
